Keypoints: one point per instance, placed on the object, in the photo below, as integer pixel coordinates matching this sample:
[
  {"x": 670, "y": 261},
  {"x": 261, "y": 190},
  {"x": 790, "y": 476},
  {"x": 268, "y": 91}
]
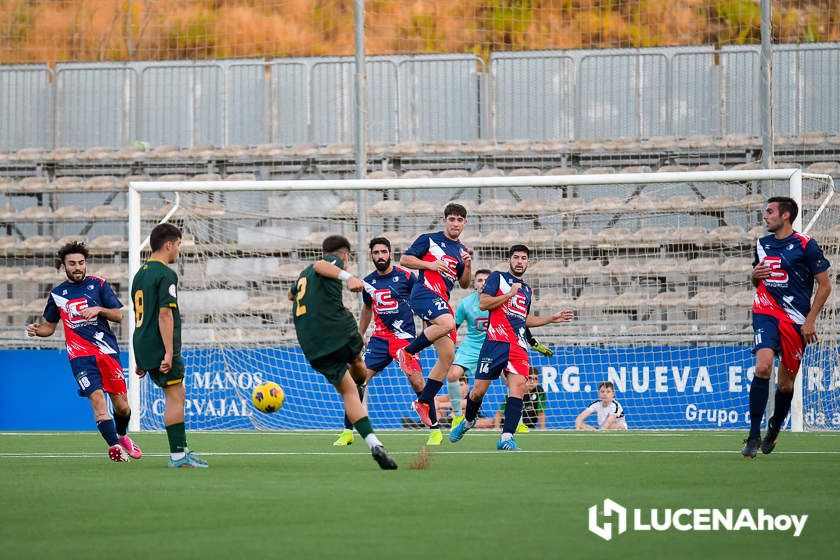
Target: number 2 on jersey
[
  {"x": 301, "y": 291},
  {"x": 138, "y": 308}
]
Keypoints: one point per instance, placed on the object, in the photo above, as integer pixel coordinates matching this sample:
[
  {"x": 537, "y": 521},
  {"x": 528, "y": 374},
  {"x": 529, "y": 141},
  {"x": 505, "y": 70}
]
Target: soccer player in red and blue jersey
[
  {"x": 85, "y": 304},
  {"x": 508, "y": 298},
  {"x": 386, "y": 293},
  {"x": 442, "y": 260},
  {"x": 784, "y": 318}
]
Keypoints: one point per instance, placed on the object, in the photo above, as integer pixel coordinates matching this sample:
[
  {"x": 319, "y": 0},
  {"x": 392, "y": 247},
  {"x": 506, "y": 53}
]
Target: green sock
[
  {"x": 177, "y": 435},
  {"x": 455, "y": 397},
  {"x": 363, "y": 426}
]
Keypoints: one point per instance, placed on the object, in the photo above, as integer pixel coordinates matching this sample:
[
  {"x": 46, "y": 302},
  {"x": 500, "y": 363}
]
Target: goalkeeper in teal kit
[{"x": 466, "y": 358}]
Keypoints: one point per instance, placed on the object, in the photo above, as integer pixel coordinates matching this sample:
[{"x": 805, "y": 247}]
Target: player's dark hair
[
  {"x": 334, "y": 243},
  {"x": 486, "y": 271},
  {"x": 454, "y": 209},
  {"x": 379, "y": 241},
  {"x": 519, "y": 249},
  {"x": 72, "y": 248},
  {"x": 533, "y": 371},
  {"x": 786, "y": 204},
  {"x": 607, "y": 384},
  {"x": 161, "y": 234}
]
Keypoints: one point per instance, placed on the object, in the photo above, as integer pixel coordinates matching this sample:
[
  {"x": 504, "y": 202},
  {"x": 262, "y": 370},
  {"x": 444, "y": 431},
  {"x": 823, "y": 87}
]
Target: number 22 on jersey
[{"x": 300, "y": 309}]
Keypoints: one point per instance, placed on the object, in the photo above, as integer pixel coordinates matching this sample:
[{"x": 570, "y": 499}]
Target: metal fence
[{"x": 562, "y": 95}]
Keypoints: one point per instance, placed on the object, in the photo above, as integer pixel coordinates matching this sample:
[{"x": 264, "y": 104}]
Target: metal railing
[{"x": 563, "y": 95}]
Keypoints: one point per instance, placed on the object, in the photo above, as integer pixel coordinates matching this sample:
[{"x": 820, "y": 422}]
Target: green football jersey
[
  {"x": 154, "y": 286},
  {"x": 322, "y": 323}
]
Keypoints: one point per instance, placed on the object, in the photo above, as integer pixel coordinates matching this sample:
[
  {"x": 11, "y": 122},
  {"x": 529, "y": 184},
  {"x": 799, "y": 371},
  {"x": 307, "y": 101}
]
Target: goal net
[{"x": 656, "y": 267}]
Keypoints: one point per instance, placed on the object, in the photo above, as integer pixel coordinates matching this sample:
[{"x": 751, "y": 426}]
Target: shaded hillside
[{"x": 88, "y": 30}]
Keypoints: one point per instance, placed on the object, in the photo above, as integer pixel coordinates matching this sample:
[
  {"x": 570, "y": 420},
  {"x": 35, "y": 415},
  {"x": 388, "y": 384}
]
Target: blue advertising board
[{"x": 659, "y": 388}]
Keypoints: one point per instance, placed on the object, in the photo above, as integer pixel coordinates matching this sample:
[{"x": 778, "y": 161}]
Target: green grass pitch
[{"x": 294, "y": 495}]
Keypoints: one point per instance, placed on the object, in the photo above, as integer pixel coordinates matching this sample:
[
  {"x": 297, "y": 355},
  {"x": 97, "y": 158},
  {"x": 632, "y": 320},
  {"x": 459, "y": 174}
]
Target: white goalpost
[{"x": 655, "y": 266}]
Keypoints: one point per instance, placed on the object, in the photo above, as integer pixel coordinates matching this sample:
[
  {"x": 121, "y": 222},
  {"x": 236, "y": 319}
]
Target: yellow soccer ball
[{"x": 268, "y": 397}]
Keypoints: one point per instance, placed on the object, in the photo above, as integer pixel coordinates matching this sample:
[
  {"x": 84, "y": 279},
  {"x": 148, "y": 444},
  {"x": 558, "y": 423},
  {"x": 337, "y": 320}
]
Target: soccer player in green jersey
[
  {"x": 157, "y": 337},
  {"x": 329, "y": 336}
]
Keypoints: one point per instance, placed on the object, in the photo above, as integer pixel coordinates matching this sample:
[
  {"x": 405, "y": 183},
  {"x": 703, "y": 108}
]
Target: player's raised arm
[
  {"x": 412, "y": 257},
  {"x": 560, "y": 317},
  {"x": 410, "y": 261},
  {"x": 486, "y": 302},
  {"x": 329, "y": 270},
  {"x": 466, "y": 274}
]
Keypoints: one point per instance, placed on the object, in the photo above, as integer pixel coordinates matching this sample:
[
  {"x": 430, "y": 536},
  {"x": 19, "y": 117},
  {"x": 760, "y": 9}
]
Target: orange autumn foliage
[{"x": 97, "y": 30}]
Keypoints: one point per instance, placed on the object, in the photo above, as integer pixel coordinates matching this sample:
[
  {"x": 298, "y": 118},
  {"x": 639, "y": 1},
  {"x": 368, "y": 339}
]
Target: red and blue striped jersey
[
  {"x": 84, "y": 337},
  {"x": 436, "y": 246},
  {"x": 794, "y": 261},
  {"x": 388, "y": 296},
  {"x": 507, "y": 322}
]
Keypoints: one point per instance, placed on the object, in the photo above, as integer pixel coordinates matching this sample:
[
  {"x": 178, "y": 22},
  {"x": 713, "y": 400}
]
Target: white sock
[
  {"x": 506, "y": 436},
  {"x": 372, "y": 441},
  {"x": 177, "y": 456},
  {"x": 469, "y": 423},
  {"x": 454, "y": 388}
]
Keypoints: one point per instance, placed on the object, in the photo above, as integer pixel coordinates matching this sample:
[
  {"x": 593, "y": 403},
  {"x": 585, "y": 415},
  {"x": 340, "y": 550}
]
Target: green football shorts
[
  {"x": 334, "y": 365},
  {"x": 175, "y": 375}
]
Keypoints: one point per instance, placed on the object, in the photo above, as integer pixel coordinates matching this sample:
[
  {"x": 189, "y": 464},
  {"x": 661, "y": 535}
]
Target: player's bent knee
[
  {"x": 97, "y": 401},
  {"x": 785, "y": 385},
  {"x": 763, "y": 370},
  {"x": 444, "y": 323},
  {"x": 99, "y": 405},
  {"x": 764, "y": 359},
  {"x": 455, "y": 372},
  {"x": 358, "y": 372},
  {"x": 122, "y": 408},
  {"x": 479, "y": 390},
  {"x": 447, "y": 323}
]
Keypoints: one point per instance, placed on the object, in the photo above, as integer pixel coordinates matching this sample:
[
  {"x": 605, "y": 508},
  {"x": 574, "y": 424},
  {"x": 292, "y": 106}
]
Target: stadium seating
[
  {"x": 387, "y": 208},
  {"x": 108, "y": 242},
  {"x": 495, "y": 207},
  {"x": 690, "y": 235},
  {"x": 583, "y": 239}
]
